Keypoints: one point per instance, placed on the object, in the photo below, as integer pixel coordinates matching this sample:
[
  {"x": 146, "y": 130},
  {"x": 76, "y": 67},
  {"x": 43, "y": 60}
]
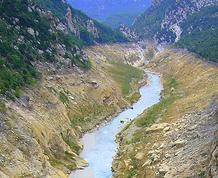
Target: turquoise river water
[{"x": 100, "y": 146}]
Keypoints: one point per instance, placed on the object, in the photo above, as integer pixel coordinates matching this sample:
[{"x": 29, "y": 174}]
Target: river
[{"x": 100, "y": 146}]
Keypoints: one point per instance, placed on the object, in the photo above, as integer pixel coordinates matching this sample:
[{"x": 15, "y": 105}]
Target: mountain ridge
[
  {"x": 35, "y": 31},
  {"x": 163, "y": 22},
  {"x": 106, "y": 10}
]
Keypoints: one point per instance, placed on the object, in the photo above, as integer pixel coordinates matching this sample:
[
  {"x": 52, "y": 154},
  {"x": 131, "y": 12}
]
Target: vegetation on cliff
[
  {"x": 105, "y": 34},
  {"x": 33, "y": 31},
  {"x": 191, "y": 25},
  {"x": 125, "y": 75},
  {"x": 154, "y": 112},
  {"x": 149, "y": 23},
  {"x": 200, "y": 33}
]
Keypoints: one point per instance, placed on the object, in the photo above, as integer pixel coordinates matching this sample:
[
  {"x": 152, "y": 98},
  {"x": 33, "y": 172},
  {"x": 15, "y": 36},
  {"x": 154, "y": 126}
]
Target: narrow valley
[{"x": 135, "y": 99}]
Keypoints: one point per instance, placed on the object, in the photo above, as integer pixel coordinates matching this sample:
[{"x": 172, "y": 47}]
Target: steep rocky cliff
[
  {"x": 200, "y": 33},
  {"x": 163, "y": 20},
  {"x": 81, "y": 25},
  {"x": 46, "y": 31},
  {"x": 191, "y": 24}
]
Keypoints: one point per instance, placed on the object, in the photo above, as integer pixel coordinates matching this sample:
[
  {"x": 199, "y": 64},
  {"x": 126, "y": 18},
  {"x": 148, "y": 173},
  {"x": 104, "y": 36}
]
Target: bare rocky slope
[{"x": 178, "y": 136}]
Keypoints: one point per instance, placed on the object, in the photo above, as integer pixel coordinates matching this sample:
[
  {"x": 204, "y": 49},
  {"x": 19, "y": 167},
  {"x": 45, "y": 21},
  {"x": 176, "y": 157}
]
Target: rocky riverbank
[{"x": 178, "y": 136}]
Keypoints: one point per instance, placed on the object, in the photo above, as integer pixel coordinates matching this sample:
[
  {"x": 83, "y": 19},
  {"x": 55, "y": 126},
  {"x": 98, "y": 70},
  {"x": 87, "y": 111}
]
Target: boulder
[
  {"x": 166, "y": 129},
  {"x": 179, "y": 143},
  {"x": 156, "y": 127},
  {"x": 25, "y": 101},
  {"x": 31, "y": 31},
  {"x": 147, "y": 163},
  {"x": 81, "y": 164},
  {"x": 163, "y": 170},
  {"x": 139, "y": 156}
]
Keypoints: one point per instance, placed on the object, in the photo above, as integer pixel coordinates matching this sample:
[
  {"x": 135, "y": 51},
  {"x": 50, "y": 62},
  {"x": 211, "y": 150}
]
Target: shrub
[
  {"x": 64, "y": 99},
  {"x": 2, "y": 107}
]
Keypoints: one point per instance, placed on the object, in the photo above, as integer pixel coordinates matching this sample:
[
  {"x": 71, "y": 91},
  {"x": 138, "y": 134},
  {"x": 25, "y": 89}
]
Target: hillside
[
  {"x": 40, "y": 129},
  {"x": 112, "y": 12},
  {"x": 185, "y": 22},
  {"x": 83, "y": 27},
  {"x": 51, "y": 88},
  {"x": 178, "y": 136},
  {"x": 200, "y": 33},
  {"x": 40, "y": 32}
]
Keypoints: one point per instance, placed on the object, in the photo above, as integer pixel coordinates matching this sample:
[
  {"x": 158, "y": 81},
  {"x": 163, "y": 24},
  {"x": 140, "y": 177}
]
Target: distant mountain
[
  {"x": 191, "y": 24},
  {"x": 110, "y": 11},
  {"x": 116, "y": 20}
]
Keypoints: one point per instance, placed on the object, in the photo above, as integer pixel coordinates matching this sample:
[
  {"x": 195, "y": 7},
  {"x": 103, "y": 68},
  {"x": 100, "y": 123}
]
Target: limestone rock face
[
  {"x": 31, "y": 31},
  {"x": 173, "y": 18},
  {"x": 128, "y": 33},
  {"x": 91, "y": 28},
  {"x": 170, "y": 16},
  {"x": 71, "y": 22}
]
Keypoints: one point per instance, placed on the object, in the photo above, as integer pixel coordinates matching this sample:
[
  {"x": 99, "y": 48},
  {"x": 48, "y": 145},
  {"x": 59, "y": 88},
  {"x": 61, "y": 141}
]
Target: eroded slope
[
  {"x": 40, "y": 129},
  {"x": 178, "y": 136}
]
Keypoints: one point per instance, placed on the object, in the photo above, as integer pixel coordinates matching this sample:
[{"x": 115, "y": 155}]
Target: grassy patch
[
  {"x": 74, "y": 147},
  {"x": 63, "y": 97},
  {"x": 149, "y": 54},
  {"x": 66, "y": 161},
  {"x": 152, "y": 113},
  {"x": 132, "y": 173},
  {"x": 55, "y": 162},
  {"x": 84, "y": 113},
  {"x": 134, "y": 97},
  {"x": 127, "y": 125},
  {"x": 72, "y": 144},
  {"x": 3, "y": 108},
  {"x": 125, "y": 75}
]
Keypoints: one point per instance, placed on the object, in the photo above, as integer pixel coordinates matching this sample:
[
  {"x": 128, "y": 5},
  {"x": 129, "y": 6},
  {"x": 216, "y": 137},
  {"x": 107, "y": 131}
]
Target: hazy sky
[{"x": 101, "y": 9}]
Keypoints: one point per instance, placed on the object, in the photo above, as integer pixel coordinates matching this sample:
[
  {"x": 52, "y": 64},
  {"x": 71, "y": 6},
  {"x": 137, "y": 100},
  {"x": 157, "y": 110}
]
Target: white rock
[
  {"x": 31, "y": 31},
  {"x": 139, "y": 156},
  {"x": 156, "y": 127},
  {"x": 179, "y": 143},
  {"x": 166, "y": 129},
  {"x": 147, "y": 163}
]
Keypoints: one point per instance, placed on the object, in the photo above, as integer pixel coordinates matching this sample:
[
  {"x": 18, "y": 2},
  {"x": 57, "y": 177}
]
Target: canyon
[{"x": 149, "y": 92}]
